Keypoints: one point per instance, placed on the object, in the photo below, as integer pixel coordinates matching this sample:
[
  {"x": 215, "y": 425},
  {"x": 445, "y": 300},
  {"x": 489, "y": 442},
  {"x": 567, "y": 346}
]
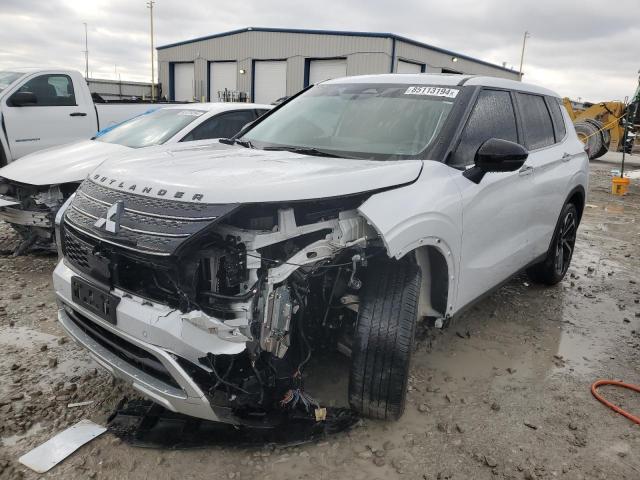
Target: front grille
[
  {"x": 132, "y": 354},
  {"x": 148, "y": 225},
  {"x": 76, "y": 249}
]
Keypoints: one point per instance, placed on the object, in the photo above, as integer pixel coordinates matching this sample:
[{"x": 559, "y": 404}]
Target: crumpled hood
[
  {"x": 232, "y": 174},
  {"x": 67, "y": 163}
]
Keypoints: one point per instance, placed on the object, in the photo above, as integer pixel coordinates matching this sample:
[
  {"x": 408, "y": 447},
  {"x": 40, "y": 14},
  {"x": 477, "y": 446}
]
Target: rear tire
[
  {"x": 555, "y": 265},
  {"x": 3, "y": 157},
  {"x": 383, "y": 338}
]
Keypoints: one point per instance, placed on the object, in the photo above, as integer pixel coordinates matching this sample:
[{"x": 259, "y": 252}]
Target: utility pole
[
  {"x": 86, "y": 52},
  {"x": 524, "y": 43},
  {"x": 153, "y": 72}
]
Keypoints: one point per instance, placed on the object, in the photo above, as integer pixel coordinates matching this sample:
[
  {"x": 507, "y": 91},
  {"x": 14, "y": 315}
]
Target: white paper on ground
[{"x": 53, "y": 451}]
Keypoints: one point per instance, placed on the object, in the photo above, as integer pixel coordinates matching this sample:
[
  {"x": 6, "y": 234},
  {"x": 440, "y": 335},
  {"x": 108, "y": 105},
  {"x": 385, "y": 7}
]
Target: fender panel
[{"x": 425, "y": 213}]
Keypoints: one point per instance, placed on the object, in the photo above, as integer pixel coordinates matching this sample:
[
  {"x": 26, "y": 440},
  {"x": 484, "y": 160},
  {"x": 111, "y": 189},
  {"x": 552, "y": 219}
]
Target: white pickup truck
[{"x": 41, "y": 108}]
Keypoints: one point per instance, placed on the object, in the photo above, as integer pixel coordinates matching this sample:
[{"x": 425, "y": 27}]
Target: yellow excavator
[{"x": 601, "y": 126}]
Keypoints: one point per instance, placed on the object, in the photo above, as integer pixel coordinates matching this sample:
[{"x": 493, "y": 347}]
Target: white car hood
[
  {"x": 232, "y": 174},
  {"x": 68, "y": 163}
]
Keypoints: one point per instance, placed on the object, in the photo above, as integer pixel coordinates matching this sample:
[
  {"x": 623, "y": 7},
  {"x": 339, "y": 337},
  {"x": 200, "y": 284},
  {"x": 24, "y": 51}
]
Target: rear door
[
  {"x": 495, "y": 211},
  {"x": 544, "y": 131},
  {"x": 60, "y": 115}
]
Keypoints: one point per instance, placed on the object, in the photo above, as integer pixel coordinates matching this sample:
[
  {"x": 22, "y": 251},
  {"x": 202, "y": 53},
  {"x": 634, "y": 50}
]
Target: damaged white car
[
  {"x": 33, "y": 188},
  {"x": 209, "y": 279}
]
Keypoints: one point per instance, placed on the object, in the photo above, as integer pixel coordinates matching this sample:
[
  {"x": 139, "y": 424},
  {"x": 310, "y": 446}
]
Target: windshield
[
  {"x": 151, "y": 128},
  {"x": 7, "y": 78},
  {"x": 382, "y": 122}
]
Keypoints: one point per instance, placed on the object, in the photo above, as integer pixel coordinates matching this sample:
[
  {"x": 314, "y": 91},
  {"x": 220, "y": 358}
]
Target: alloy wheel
[{"x": 565, "y": 243}]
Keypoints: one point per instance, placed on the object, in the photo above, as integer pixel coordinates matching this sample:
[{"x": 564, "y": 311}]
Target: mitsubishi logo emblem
[{"x": 111, "y": 223}]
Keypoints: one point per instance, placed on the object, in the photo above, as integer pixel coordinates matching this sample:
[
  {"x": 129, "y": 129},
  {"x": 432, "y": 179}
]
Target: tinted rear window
[
  {"x": 558, "y": 120},
  {"x": 538, "y": 129}
]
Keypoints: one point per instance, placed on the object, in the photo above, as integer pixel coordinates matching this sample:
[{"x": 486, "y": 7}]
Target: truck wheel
[
  {"x": 555, "y": 265},
  {"x": 589, "y": 135},
  {"x": 383, "y": 338},
  {"x": 604, "y": 135}
]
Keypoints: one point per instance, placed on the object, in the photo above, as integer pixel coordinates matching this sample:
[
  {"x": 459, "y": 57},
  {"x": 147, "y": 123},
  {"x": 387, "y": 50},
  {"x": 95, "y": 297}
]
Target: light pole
[
  {"x": 153, "y": 72},
  {"x": 524, "y": 43},
  {"x": 86, "y": 52}
]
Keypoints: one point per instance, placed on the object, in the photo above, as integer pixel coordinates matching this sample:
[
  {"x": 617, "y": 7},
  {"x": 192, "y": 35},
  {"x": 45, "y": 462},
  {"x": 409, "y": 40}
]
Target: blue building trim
[
  {"x": 172, "y": 81},
  {"x": 393, "y": 55},
  {"x": 392, "y": 36},
  {"x": 253, "y": 81}
]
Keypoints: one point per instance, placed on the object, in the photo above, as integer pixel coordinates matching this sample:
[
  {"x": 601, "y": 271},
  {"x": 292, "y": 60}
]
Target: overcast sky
[{"x": 584, "y": 48}]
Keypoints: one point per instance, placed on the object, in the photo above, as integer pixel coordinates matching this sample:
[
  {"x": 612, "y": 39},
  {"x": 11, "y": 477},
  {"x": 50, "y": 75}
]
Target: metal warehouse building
[{"x": 264, "y": 64}]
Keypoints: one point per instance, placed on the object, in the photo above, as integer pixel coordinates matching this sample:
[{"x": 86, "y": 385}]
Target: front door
[{"x": 55, "y": 119}]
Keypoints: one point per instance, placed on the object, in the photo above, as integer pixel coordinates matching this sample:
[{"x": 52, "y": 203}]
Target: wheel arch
[
  {"x": 436, "y": 289},
  {"x": 437, "y": 259},
  {"x": 577, "y": 196}
]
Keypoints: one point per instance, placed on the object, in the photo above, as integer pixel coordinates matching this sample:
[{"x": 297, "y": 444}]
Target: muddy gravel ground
[{"x": 502, "y": 393}]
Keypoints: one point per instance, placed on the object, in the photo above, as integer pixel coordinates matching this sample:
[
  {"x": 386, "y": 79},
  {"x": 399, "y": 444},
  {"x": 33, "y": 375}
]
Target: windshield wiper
[
  {"x": 236, "y": 141},
  {"x": 304, "y": 151}
]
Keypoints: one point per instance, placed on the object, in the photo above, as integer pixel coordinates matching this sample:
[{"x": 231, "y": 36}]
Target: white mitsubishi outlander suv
[{"x": 209, "y": 279}]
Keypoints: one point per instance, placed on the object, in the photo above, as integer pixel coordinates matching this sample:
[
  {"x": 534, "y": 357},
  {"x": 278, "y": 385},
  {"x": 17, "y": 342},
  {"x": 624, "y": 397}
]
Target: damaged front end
[
  {"x": 227, "y": 301},
  {"x": 31, "y": 210}
]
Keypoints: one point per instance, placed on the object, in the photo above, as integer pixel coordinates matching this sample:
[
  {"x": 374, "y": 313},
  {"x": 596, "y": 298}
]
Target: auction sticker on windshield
[{"x": 433, "y": 91}]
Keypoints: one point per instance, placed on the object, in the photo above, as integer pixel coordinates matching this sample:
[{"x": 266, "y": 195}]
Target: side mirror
[
  {"x": 496, "y": 155},
  {"x": 22, "y": 99}
]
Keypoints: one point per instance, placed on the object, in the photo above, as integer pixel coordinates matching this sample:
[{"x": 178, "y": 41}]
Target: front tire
[
  {"x": 555, "y": 265},
  {"x": 383, "y": 338}
]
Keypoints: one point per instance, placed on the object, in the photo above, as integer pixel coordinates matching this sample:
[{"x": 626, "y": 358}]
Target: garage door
[
  {"x": 183, "y": 82},
  {"x": 222, "y": 76},
  {"x": 321, "y": 70},
  {"x": 270, "y": 79},
  {"x": 408, "y": 67}
]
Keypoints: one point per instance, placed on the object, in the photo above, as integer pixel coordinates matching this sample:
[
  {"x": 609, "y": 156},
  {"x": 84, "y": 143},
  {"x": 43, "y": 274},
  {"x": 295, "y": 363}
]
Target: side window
[
  {"x": 492, "y": 116},
  {"x": 558, "y": 121},
  {"x": 536, "y": 121},
  {"x": 224, "y": 125},
  {"x": 51, "y": 90},
  {"x": 261, "y": 112}
]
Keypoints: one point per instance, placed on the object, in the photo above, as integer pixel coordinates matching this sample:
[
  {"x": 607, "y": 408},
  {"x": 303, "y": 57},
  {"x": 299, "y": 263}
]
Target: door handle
[
  {"x": 525, "y": 170},
  {"x": 78, "y": 114},
  {"x": 566, "y": 157}
]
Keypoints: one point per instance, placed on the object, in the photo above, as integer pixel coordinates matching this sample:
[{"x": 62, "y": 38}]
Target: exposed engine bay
[
  {"x": 277, "y": 282},
  {"x": 270, "y": 283}
]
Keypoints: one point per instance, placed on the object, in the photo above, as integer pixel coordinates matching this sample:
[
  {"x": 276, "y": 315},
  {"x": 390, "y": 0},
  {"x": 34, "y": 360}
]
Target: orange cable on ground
[{"x": 615, "y": 408}]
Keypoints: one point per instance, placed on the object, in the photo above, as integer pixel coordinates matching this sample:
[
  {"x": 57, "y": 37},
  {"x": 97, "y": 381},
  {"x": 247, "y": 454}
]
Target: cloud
[{"x": 577, "y": 47}]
